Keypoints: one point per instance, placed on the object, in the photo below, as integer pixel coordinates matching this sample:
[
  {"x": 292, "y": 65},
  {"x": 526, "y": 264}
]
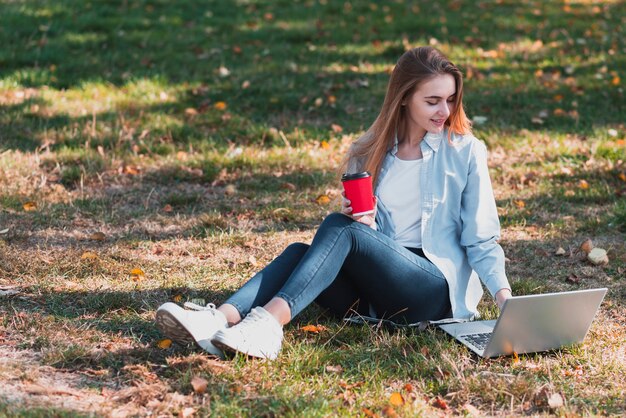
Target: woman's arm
[{"x": 481, "y": 226}]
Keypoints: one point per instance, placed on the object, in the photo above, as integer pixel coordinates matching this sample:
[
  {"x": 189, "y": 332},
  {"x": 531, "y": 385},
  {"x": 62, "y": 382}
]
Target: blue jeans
[{"x": 350, "y": 267}]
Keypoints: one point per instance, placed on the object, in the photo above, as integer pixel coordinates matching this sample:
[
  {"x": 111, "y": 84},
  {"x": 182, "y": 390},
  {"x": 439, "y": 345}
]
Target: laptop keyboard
[{"x": 479, "y": 340}]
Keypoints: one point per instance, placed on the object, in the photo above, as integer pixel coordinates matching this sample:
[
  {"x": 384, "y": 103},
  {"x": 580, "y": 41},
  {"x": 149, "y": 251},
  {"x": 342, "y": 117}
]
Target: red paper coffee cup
[{"x": 358, "y": 188}]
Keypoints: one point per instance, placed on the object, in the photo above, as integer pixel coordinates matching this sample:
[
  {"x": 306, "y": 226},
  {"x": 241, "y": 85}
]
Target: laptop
[{"x": 531, "y": 323}]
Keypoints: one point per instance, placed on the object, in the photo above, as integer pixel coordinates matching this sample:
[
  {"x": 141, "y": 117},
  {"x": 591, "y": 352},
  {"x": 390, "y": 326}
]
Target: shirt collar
[{"x": 431, "y": 139}]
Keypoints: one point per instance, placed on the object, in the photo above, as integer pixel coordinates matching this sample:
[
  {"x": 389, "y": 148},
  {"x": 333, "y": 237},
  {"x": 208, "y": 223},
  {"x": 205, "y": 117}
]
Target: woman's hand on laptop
[{"x": 501, "y": 296}]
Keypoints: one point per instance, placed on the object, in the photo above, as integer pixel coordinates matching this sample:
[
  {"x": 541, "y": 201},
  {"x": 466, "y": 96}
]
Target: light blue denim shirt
[{"x": 460, "y": 225}]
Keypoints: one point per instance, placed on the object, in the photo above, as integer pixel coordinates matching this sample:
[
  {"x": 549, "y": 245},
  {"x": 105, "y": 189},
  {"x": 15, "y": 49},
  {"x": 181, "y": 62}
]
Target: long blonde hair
[{"x": 412, "y": 69}]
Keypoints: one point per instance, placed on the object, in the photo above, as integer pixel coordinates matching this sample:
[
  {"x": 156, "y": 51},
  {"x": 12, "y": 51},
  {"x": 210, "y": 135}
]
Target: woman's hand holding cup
[{"x": 346, "y": 209}]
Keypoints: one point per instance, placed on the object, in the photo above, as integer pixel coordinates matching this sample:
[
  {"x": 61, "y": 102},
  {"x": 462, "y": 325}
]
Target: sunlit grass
[{"x": 196, "y": 138}]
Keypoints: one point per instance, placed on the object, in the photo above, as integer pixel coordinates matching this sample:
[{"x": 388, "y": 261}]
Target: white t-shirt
[{"x": 399, "y": 191}]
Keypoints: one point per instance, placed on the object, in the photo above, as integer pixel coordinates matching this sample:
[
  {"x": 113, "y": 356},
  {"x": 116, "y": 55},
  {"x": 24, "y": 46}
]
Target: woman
[{"x": 418, "y": 257}]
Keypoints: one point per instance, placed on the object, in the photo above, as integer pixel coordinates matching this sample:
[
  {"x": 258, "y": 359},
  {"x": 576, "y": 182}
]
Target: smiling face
[{"x": 428, "y": 107}]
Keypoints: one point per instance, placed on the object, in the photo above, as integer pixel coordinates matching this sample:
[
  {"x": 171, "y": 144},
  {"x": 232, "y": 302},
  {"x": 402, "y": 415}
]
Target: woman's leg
[
  {"x": 263, "y": 286},
  {"x": 394, "y": 280}
]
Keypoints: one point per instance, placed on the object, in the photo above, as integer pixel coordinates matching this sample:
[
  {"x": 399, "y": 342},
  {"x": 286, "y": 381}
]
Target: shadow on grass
[{"x": 67, "y": 45}]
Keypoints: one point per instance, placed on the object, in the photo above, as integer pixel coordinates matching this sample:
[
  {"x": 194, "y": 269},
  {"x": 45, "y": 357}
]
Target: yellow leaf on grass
[
  {"x": 164, "y": 344},
  {"x": 583, "y": 184},
  {"x": 616, "y": 81},
  {"x": 515, "y": 358},
  {"x": 30, "y": 206},
  {"x": 322, "y": 199},
  {"x": 396, "y": 399},
  {"x": 220, "y": 105},
  {"x": 324, "y": 145},
  {"x": 520, "y": 204},
  {"x": 88, "y": 255},
  {"x": 177, "y": 298},
  {"x": 136, "y": 274},
  {"x": 622, "y": 176}
]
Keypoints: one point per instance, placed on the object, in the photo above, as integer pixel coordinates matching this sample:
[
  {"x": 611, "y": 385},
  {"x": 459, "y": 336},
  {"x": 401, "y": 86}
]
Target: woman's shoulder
[
  {"x": 463, "y": 143},
  {"x": 465, "y": 139}
]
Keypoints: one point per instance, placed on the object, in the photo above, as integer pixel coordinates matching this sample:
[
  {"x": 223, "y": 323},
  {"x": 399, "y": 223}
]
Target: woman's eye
[{"x": 432, "y": 103}]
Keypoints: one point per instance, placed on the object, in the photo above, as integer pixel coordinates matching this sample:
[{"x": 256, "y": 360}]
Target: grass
[{"x": 196, "y": 139}]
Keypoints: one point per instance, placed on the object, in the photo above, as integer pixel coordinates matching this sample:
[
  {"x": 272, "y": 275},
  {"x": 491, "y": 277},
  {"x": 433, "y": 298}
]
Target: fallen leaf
[
  {"x": 188, "y": 412},
  {"x": 168, "y": 208},
  {"x": 177, "y": 298},
  {"x": 322, "y": 199},
  {"x": 4, "y": 231},
  {"x": 440, "y": 403},
  {"x": 520, "y": 204},
  {"x": 388, "y": 411},
  {"x": 199, "y": 384},
  {"x": 408, "y": 387},
  {"x": 230, "y": 189},
  {"x": 622, "y": 176},
  {"x": 560, "y": 251},
  {"x": 537, "y": 121},
  {"x": 334, "y": 369},
  {"x": 368, "y": 413},
  {"x": 583, "y": 184},
  {"x": 97, "y": 236},
  {"x": 324, "y": 145},
  {"x": 515, "y": 359},
  {"x": 133, "y": 171},
  {"x": 220, "y": 106},
  {"x": 88, "y": 255},
  {"x": 336, "y": 128},
  {"x": 190, "y": 111},
  {"x": 164, "y": 344},
  {"x": 586, "y": 246},
  {"x": 253, "y": 261},
  {"x": 136, "y": 274},
  {"x": 316, "y": 329},
  {"x": 30, "y": 206},
  {"x": 572, "y": 278},
  {"x": 555, "y": 401},
  {"x": 598, "y": 256},
  {"x": 289, "y": 186},
  {"x": 396, "y": 399}
]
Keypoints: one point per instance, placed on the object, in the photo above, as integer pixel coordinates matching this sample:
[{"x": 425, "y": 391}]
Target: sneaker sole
[
  {"x": 228, "y": 349},
  {"x": 172, "y": 328}
]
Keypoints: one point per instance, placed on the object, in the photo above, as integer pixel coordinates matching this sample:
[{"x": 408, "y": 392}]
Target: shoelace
[{"x": 195, "y": 307}]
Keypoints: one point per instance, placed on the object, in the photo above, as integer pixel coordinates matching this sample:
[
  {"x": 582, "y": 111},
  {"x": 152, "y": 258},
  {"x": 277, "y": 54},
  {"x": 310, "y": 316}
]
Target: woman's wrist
[{"x": 502, "y": 295}]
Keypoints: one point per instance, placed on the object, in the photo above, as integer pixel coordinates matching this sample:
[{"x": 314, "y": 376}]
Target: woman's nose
[{"x": 444, "y": 109}]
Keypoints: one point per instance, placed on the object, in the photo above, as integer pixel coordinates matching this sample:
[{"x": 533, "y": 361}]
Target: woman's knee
[
  {"x": 336, "y": 219},
  {"x": 296, "y": 249}
]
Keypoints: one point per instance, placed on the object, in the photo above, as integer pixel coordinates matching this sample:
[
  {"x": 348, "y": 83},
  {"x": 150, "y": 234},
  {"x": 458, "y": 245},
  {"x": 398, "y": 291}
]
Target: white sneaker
[
  {"x": 191, "y": 326},
  {"x": 259, "y": 334}
]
